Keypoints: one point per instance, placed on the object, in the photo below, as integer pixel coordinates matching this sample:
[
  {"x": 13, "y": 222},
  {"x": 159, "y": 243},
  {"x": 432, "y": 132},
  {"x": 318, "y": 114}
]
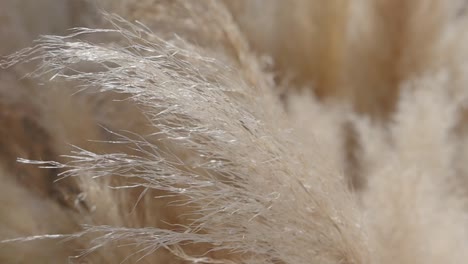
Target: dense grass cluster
[{"x": 172, "y": 131}]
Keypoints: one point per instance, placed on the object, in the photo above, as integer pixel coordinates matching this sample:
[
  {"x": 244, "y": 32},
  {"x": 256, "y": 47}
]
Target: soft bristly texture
[
  {"x": 414, "y": 210},
  {"x": 234, "y": 132},
  {"x": 236, "y": 179}
]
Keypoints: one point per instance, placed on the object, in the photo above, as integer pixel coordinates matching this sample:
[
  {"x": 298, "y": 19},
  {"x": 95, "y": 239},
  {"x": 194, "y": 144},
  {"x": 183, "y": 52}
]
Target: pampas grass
[
  {"x": 233, "y": 178},
  {"x": 165, "y": 136}
]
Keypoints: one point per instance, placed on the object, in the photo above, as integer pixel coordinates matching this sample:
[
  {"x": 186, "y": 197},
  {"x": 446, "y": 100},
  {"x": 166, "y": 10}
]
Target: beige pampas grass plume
[
  {"x": 209, "y": 132},
  {"x": 415, "y": 213},
  {"x": 217, "y": 179}
]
